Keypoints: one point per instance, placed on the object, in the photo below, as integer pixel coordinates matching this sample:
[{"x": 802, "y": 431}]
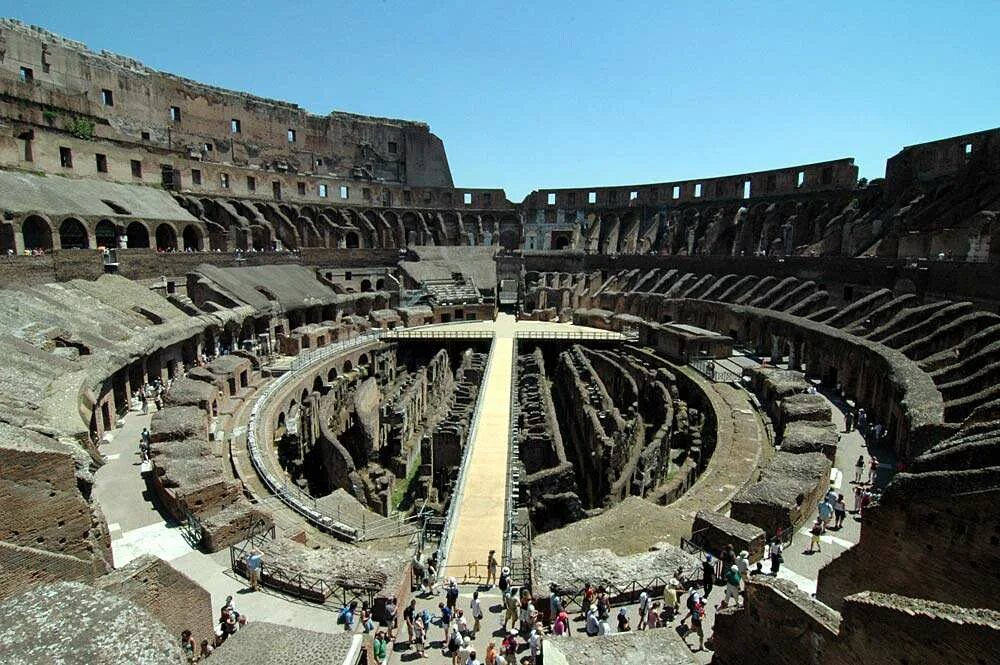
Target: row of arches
[
  {"x": 264, "y": 225},
  {"x": 37, "y": 233}
]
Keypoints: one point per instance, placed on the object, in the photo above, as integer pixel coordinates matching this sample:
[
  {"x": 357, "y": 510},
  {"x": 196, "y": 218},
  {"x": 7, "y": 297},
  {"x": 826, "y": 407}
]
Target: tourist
[
  {"x": 697, "y": 617},
  {"x": 491, "y": 568},
  {"x": 623, "y": 626},
  {"x": 367, "y": 625},
  {"x": 643, "y": 610},
  {"x": 477, "y": 613},
  {"x": 603, "y": 627},
  {"x": 671, "y": 601},
  {"x": 465, "y": 651},
  {"x": 743, "y": 563},
  {"x": 380, "y": 648},
  {"x": 733, "y": 581},
  {"x": 840, "y": 511},
  {"x": 255, "y": 564},
  {"x": 461, "y": 623},
  {"x": 509, "y": 646},
  {"x": 453, "y": 643},
  {"x": 528, "y": 615},
  {"x": 408, "y": 615},
  {"x": 555, "y": 602},
  {"x": 491, "y": 653},
  {"x": 420, "y": 635},
  {"x": 504, "y": 582},
  {"x": 206, "y": 650},
  {"x": 728, "y": 557},
  {"x": 859, "y": 468},
  {"x": 849, "y": 421},
  {"x": 774, "y": 553},
  {"x": 814, "y": 534},
  {"x": 391, "y": 620},
  {"x": 472, "y": 658},
  {"x": 510, "y": 605},
  {"x": 187, "y": 644},
  {"x": 593, "y": 626},
  {"x": 561, "y": 624},
  {"x": 825, "y": 511},
  {"x": 588, "y": 598},
  {"x": 346, "y": 616},
  {"x": 451, "y": 595},
  {"x": 445, "y": 624},
  {"x": 691, "y": 603},
  {"x": 653, "y": 616},
  {"x": 535, "y": 643},
  {"x": 603, "y": 602},
  {"x": 872, "y": 470},
  {"x": 708, "y": 574}
]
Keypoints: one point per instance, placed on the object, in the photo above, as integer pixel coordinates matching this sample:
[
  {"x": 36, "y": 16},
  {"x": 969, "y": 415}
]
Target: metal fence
[
  {"x": 714, "y": 371},
  {"x": 417, "y": 333},
  {"x": 272, "y": 575},
  {"x": 598, "y": 335}
]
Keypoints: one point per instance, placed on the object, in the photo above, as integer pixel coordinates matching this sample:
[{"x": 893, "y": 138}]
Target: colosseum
[{"x": 278, "y": 389}]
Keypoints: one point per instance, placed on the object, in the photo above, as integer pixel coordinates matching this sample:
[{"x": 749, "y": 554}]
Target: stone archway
[
  {"x": 73, "y": 234},
  {"x": 37, "y": 233},
  {"x": 192, "y": 238},
  {"x": 137, "y": 235},
  {"x": 166, "y": 238},
  {"x": 106, "y": 234}
]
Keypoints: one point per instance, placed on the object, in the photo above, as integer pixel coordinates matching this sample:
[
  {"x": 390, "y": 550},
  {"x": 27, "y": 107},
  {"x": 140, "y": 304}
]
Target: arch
[
  {"x": 348, "y": 366},
  {"x": 7, "y": 238},
  {"x": 379, "y": 284},
  {"x": 352, "y": 240},
  {"x": 366, "y": 285},
  {"x": 166, "y": 237},
  {"x": 137, "y": 235},
  {"x": 363, "y": 360},
  {"x": 192, "y": 238},
  {"x": 73, "y": 234},
  {"x": 318, "y": 384},
  {"x": 305, "y": 395},
  {"x": 562, "y": 242},
  {"x": 331, "y": 376},
  {"x": 37, "y": 233},
  {"x": 106, "y": 234}
]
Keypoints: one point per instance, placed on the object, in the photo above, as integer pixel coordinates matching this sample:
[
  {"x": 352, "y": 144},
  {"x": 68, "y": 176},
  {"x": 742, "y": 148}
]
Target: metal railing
[
  {"x": 599, "y": 335},
  {"x": 713, "y": 371},
  {"x": 456, "y": 494},
  {"x": 297, "y": 584},
  {"x": 416, "y": 333},
  {"x": 191, "y": 528},
  {"x": 626, "y": 593}
]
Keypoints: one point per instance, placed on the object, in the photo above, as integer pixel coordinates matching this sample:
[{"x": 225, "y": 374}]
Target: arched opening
[
  {"x": 37, "y": 233},
  {"x": 166, "y": 238},
  {"x": 72, "y": 234},
  {"x": 562, "y": 242},
  {"x": 318, "y": 384},
  {"x": 137, "y": 235},
  {"x": 348, "y": 367},
  {"x": 352, "y": 240},
  {"x": 192, "y": 239},
  {"x": 106, "y": 234},
  {"x": 7, "y": 238},
  {"x": 366, "y": 285},
  {"x": 379, "y": 285},
  {"x": 305, "y": 395},
  {"x": 331, "y": 376},
  {"x": 362, "y": 360}
]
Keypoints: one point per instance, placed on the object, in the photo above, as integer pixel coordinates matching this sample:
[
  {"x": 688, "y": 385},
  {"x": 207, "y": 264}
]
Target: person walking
[
  {"x": 409, "y": 615},
  {"x": 814, "y": 533},
  {"x": 643, "y": 610},
  {"x": 733, "y": 580},
  {"x": 380, "y": 648},
  {"x": 708, "y": 574},
  {"x": 873, "y": 470},
  {"x": 840, "y": 511},
  {"x": 849, "y": 421},
  {"x": 859, "y": 468},
  {"x": 825, "y": 511},
  {"x": 477, "y": 613}
]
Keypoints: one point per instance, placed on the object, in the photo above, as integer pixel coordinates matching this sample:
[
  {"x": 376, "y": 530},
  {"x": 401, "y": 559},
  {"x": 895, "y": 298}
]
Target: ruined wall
[
  {"x": 170, "y": 596},
  {"x": 22, "y": 568}
]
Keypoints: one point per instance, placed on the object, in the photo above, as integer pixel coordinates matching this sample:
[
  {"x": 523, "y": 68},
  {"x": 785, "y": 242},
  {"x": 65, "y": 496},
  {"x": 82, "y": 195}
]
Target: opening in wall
[
  {"x": 344, "y": 192},
  {"x": 591, "y": 197},
  {"x": 175, "y": 114},
  {"x": 27, "y": 74},
  {"x": 102, "y": 162},
  {"x": 196, "y": 176},
  {"x": 235, "y": 126},
  {"x": 291, "y": 136},
  {"x": 551, "y": 198},
  {"x": 65, "y": 157},
  {"x": 968, "y": 149},
  {"x": 800, "y": 179},
  {"x": 107, "y": 97},
  {"x": 676, "y": 193},
  {"x": 467, "y": 198},
  {"x": 697, "y": 191},
  {"x": 746, "y": 189}
]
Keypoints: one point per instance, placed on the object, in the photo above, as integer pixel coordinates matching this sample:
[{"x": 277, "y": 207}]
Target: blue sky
[{"x": 545, "y": 94}]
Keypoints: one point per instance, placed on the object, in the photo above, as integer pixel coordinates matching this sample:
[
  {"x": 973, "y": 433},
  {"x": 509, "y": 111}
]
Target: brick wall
[
  {"x": 26, "y": 270},
  {"x": 24, "y": 567},
  {"x": 167, "y": 594},
  {"x": 349, "y": 258}
]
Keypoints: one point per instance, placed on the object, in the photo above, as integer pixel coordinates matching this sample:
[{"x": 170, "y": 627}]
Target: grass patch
[{"x": 402, "y": 497}]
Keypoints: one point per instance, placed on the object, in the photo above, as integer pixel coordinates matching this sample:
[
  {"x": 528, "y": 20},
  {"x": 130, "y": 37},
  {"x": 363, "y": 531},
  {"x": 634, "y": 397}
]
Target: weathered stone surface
[
  {"x": 569, "y": 570},
  {"x": 660, "y": 646},
  {"x": 263, "y": 643},
  {"x": 72, "y": 623}
]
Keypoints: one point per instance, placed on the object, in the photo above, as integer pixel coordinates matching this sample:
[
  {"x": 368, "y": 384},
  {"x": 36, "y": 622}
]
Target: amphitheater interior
[{"x": 346, "y": 363}]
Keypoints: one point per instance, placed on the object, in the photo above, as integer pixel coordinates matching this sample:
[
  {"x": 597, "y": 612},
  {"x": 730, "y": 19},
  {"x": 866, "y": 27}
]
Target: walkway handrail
[
  {"x": 571, "y": 334},
  {"x": 470, "y": 437}
]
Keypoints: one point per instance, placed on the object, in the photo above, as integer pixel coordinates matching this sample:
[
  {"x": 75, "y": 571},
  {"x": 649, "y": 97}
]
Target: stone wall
[
  {"x": 22, "y": 568},
  {"x": 170, "y": 596}
]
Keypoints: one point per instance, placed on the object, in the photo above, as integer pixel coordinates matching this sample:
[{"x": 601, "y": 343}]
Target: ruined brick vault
[{"x": 257, "y": 260}]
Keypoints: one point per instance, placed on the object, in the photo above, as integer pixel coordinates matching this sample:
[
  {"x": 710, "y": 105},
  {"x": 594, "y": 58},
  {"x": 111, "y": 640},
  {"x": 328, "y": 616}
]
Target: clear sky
[{"x": 545, "y": 94}]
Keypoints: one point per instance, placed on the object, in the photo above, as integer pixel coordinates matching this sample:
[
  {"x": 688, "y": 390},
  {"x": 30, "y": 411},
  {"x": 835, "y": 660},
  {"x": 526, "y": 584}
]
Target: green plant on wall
[
  {"x": 81, "y": 128},
  {"x": 49, "y": 115}
]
